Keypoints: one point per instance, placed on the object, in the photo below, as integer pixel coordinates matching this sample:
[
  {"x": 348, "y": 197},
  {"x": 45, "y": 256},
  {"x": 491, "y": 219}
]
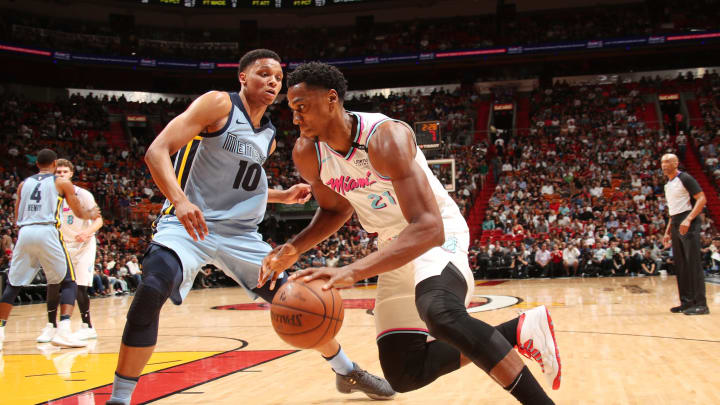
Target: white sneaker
[
  {"x": 536, "y": 340},
  {"x": 64, "y": 338},
  {"x": 47, "y": 333},
  {"x": 2, "y": 337},
  {"x": 85, "y": 333}
]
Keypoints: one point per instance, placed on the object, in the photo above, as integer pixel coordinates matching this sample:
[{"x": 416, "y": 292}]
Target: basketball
[{"x": 306, "y": 316}]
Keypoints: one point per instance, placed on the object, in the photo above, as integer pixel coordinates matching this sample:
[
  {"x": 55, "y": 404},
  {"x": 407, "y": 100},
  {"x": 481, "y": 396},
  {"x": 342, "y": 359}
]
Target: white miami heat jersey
[
  {"x": 72, "y": 225},
  {"x": 372, "y": 196}
]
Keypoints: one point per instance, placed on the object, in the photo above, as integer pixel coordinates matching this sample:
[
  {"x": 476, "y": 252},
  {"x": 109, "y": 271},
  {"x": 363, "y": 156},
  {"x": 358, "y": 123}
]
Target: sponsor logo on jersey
[
  {"x": 346, "y": 184},
  {"x": 361, "y": 162}
]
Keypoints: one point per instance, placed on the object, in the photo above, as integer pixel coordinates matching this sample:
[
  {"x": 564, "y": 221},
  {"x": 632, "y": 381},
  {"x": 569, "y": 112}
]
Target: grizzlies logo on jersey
[{"x": 222, "y": 173}]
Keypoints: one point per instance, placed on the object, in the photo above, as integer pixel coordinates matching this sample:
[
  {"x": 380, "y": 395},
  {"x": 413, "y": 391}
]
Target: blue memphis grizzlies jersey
[
  {"x": 222, "y": 173},
  {"x": 40, "y": 202}
]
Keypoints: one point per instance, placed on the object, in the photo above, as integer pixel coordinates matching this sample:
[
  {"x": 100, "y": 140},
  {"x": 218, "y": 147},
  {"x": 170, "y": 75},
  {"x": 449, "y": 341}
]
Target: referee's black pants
[{"x": 688, "y": 263}]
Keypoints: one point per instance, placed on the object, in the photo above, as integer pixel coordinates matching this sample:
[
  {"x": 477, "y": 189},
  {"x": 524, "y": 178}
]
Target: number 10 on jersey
[{"x": 248, "y": 177}]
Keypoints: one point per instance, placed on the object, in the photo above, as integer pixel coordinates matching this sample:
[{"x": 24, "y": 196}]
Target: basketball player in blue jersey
[
  {"x": 216, "y": 192},
  {"x": 369, "y": 164},
  {"x": 40, "y": 243}
]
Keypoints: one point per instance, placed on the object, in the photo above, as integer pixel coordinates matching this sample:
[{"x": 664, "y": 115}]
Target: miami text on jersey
[{"x": 344, "y": 184}]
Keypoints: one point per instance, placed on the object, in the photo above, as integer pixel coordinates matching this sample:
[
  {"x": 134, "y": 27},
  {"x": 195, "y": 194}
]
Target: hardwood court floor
[{"x": 618, "y": 343}]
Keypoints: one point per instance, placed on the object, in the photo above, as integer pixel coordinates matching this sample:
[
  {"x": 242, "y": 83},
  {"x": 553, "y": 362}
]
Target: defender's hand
[
  {"x": 667, "y": 241},
  {"x": 298, "y": 194},
  {"x": 277, "y": 261},
  {"x": 337, "y": 277},
  {"x": 192, "y": 219}
]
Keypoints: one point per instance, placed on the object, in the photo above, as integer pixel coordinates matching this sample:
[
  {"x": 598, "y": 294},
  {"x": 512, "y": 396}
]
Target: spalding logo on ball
[{"x": 304, "y": 315}]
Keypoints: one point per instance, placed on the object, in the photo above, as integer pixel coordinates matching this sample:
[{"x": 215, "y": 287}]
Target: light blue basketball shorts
[
  {"x": 239, "y": 256},
  {"x": 40, "y": 245}
]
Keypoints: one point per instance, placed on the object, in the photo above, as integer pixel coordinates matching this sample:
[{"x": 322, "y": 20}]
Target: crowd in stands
[
  {"x": 706, "y": 135},
  {"x": 582, "y": 194},
  {"x": 76, "y": 129},
  {"x": 411, "y": 36},
  {"x": 579, "y": 194}
]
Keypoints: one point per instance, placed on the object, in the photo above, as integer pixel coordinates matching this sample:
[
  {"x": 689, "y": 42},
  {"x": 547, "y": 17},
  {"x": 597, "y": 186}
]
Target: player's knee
[
  {"x": 399, "y": 380},
  {"x": 440, "y": 313},
  {"x": 149, "y": 299},
  {"x": 68, "y": 292},
  {"x": 394, "y": 365},
  {"x": 11, "y": 292},
  {"x": 402, "y": 382},
  {"x": 143, "y": 317},
  {"x": 162, "y": 272}
]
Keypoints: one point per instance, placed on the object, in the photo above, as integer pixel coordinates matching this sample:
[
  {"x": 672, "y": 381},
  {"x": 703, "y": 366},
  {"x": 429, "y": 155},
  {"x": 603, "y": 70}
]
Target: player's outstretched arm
[
  {"x": 67, "y": 190},
  {"x": 298, "y": 194},
  {"x": 331, "y": 215},
  {"x": 392, "y": 154},
  {"x": 207, "y": 113}
]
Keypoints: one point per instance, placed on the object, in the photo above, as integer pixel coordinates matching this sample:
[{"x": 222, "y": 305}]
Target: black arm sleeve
[{"x": 690, "y": 184}]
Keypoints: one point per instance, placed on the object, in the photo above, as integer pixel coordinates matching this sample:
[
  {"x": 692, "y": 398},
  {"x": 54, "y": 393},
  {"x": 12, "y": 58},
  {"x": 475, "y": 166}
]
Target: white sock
[
  {"x": 341, "y": 363},
  {"x": 123, "y": 389}
]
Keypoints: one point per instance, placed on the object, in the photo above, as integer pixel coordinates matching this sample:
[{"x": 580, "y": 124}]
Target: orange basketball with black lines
[{"x": 306, "y": 316}]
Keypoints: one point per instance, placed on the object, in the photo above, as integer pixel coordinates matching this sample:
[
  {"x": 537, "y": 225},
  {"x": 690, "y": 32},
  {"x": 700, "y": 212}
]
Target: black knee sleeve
[
  {"x": 409, "y": 362},
  {"x": 440, "y": 301},
  {"x": 11, "y": 292},
  {"x": 68, "y": 292},
  {"x": 143, "y": 318},
  {"x": 162, "y": 273}
]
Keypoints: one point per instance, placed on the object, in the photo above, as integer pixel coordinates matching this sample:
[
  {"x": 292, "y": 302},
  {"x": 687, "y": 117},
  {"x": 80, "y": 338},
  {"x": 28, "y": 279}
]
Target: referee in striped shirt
[{"x": 684, "y": 231}]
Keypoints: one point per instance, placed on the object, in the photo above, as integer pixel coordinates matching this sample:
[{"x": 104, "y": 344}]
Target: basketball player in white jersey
[
  {"x": 369, "y": 164},
  {"x": 217, "y": 194},
  {"x": 81, "y": 244},
  {"x": 40, "y": 243}
]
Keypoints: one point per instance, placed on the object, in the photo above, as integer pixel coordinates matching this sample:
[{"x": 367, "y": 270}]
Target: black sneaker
[
  {"x": 678, "y": 309},
  {"x": 697, "y": 310},
  {"x": 360, "y": 380}
]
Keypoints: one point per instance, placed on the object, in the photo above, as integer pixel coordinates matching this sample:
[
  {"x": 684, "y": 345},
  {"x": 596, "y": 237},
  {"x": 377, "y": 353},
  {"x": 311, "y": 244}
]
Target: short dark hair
[
  {"x": 46, "y": 157},
  {"x": 255, "y": 54},
  {"x": 318, "y": 74},
  {"x": 65, "y": 163}
]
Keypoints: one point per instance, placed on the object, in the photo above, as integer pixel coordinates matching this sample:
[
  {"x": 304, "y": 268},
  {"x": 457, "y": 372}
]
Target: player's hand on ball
[
  {"x": 192, "y": 219},
  {"x": 337, "y": 277},
  {"x": 277, "y": 261},
  {"x": 298, "y": 194}
]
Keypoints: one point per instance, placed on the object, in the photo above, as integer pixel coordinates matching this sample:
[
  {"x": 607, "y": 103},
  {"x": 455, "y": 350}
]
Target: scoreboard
[
  {"x": 427, "y": 134},
  {"x": 250, "y": 3}
]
